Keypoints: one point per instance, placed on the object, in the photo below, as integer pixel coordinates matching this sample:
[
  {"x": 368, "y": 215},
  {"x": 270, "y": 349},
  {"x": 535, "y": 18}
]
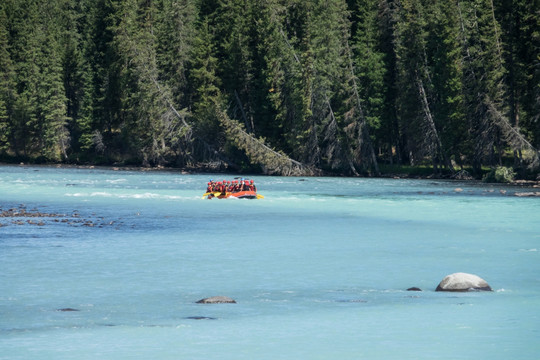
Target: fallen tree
[{"x": 272, "y": 162}]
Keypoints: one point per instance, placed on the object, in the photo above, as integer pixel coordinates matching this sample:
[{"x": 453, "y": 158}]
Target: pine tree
[
  {"x": 175, "y": 31},
  {"x": 236, "y": 39},
  {"x": 444, "y": 49},
  {"x": 484, "y": 88},
  {"x": 272, "y": 63},
  {"x": 71, "y": 19},
  {"x": 84, "y": 125},
  {"x": 27, "y": 39},
  {"x": 205, "y": 83},
  {"x": 136, "y": 42},
  {"x": 289, "y": 77},
  {"x": 101, "y": 106},
  {"x": 52, "y": 105},
  {"x": 427, "y": 81},
  {"x": 520, "y": 37},
  {"x": 370, "y": 66},
  {"x": 7, "y": 85},
  {"x": 532, "y": 97},
  {"x": 152, "y": 126},
  {"x": 52, "y": 109},
  {"x": 390, "y": 129}
]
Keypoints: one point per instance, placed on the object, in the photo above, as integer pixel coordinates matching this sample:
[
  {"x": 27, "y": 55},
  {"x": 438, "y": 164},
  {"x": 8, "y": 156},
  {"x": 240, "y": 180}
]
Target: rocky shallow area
[{"x": 22, "y": 216}]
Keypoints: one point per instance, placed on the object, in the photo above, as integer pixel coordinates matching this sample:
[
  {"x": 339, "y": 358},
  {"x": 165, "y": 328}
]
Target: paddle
[
  {"x": 216, "y": 193},
  {"x": 259, "y": 196}
]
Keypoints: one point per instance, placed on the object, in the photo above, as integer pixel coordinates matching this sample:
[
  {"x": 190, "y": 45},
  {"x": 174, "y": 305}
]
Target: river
[{"x": 98, "y": 263}]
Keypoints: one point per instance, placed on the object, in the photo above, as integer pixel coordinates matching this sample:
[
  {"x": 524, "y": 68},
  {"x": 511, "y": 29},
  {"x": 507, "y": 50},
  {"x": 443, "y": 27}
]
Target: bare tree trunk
[
  {"x": 363, "y": 125},
  {"x": 335, "y": 125},
  {"x": 249, "y": 124},
  {"x": 431, "y": 123},
  {"x": 260, "y": 153}
]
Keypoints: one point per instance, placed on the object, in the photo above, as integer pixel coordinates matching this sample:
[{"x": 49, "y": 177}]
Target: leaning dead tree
[
  {"x": 488, "y": 113},
  {"x": 272, "y": 162},
  {"x": 513, "y": 137}
]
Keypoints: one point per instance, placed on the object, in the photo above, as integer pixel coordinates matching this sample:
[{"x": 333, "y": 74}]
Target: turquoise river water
[{"x": 319, "y": 268}]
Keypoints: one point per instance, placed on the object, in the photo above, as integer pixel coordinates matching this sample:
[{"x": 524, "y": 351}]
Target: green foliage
[
  {"x": 7, "y": 85},
  {"x": 290, "y": 86},
  {"x": 500, "y": 174},
  {"x": 369, "y": 63}
]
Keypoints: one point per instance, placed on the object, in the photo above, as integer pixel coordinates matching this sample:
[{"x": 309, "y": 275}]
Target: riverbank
[{"x": 387, "y": 171}]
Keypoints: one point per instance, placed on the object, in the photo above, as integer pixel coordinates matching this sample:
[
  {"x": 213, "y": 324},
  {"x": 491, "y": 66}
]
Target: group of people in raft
[{"x": 231, "y": 186}]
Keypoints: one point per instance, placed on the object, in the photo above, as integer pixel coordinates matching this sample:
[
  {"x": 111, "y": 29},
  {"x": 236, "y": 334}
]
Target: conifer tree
[
  {"x": 205, "y": 86},
  {"x": 85, "y": 131},
  {"x": 484, "y": 88},
  {"x": 287, "y": 85},
  {"x": 52, "y": 106},
  {"x": 101, "y": 111},
  {"x": 71, "y": 21},
  {"x": 142, "y": 110},
  {"x": 369, "y": 65},
  {"x": 390, "y": 127},
  {"x": 234, "y": 23},
  {"x": 272, "y": 63},
  {"x": 27, "y": 40},
  {"x": 415, "y": 84},
  {"x": 153, "y": 126},
  {"x": 175, "y": 31},
  {"x": 520, "y": 39},
  {"x": 444, "y": 51},
  {"x": 7, "y": 85}
]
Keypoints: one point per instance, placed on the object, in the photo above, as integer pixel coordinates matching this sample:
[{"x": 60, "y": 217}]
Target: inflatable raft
[{"x": 238, "y": 195}]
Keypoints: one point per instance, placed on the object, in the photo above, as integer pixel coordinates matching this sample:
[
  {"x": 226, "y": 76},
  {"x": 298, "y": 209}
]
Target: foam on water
[{"x": 318, "y": 268}]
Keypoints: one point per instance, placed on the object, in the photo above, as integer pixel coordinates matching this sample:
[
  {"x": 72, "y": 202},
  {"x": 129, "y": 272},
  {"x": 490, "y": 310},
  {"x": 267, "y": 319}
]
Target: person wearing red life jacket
[
  {"x": 211, "y": 188},
  {"x": 223, "y": 187},
  {"x": 253, "y": 187}
]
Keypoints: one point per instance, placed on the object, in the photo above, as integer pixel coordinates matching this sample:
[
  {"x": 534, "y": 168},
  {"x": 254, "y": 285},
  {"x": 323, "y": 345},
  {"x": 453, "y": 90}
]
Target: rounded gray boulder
[
  {"x": 217, "y": 300},
  {"x": 463, "y": 282}
]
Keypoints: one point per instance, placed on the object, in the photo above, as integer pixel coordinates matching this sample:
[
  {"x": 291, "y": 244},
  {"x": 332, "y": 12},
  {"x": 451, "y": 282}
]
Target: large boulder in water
[
  {"x": 217, "y": 300},
  {"x": 463, "y": 282}
]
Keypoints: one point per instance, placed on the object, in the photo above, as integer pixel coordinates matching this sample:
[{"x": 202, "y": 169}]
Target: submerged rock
[
  {"x": 463, "y": 282},
  {"x": 67, "y": 309},
  {"x": 217, "y": 300},
  {"x": 414, "y": 288},
  {"x": 528, "y": 194},
  {"x": 200, "y": 318}
]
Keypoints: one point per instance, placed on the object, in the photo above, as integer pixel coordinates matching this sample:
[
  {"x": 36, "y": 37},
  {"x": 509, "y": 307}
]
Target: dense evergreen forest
[{"x": 278, "y": 86}]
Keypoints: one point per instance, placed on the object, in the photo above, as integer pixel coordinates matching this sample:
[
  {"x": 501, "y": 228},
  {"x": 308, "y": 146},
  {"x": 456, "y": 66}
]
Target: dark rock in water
[
  {"x": 414, "y": 289},
  {"x": 200, "y": 318},
  {"x": 463, "y": 282},
  {"x": 217, "y": 300},
  {"x": 67, "y": 309}
]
